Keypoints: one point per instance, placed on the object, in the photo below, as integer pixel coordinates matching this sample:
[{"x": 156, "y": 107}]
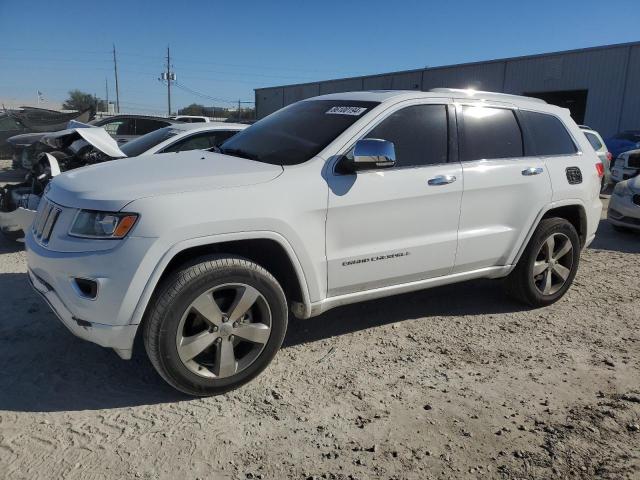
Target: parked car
[
  {"x": 601, "y": 149},
  {"x": 121, "y": 127},
  {"x": 9, "y": 127},
  {"x": 624, "y": 205},
  {"x": 626, "y": 166},
  {"x": 75, "y": 148},
  {"x": 29, "y": 119},
  {"x": 191, "y": 118},
  {"x": 623, "y": 142},
  {"x": 331, "y": 200}
]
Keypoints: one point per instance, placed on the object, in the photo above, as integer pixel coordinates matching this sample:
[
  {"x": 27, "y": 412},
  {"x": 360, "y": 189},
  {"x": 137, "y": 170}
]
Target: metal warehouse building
[{"x": 600, "y": 85}]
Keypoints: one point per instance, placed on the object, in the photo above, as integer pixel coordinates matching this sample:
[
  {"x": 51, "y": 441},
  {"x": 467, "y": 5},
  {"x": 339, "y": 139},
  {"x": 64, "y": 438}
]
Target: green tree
[
  {"x": 193, "y": 109},
  {"x": 79, "y": 100}
]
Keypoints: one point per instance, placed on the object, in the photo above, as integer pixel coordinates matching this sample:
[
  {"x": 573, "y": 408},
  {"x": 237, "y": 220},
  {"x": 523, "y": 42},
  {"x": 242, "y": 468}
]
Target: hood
[
  {"x": 25, "y": 139},
  {"x": 95, "y": 136},
  {"x": 111, "y": 185}
]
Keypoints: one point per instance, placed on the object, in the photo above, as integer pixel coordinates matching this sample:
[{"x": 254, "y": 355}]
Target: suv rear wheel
[
  {"x": 548, "y": 265},
  {"x": 215, "y": 324}
]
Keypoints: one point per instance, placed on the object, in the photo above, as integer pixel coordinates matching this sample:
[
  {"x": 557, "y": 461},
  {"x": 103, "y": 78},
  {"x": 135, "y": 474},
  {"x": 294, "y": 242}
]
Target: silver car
[{"x": 624, "y": 206}]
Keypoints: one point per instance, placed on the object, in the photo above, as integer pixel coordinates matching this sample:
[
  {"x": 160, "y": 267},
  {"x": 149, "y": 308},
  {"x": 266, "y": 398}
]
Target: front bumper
[
  {"x": 120, "y": 274},
  {"x": 120, "y": 338},
  {"x": 623, "y": 212}
]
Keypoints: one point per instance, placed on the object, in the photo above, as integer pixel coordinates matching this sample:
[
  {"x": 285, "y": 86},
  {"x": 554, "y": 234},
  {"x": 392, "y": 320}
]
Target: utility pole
[
  {"x": 238, "y": 109},
  {"x": 106, "y": 89},
  {"x": 115, "y": 69},
  {"x": 168, "y": 76},
  {"x": 168, "y": 83}
]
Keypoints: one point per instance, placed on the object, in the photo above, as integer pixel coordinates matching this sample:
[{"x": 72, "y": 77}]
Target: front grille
[
  {"x": 636, "y": 199},
  {"x": 46, "y": 218},
  {"x": 634, "y": 160}
]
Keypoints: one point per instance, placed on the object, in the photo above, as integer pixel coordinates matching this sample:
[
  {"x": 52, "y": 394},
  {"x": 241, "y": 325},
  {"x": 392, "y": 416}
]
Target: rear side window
[
  {"x": 145, "y": 125},
  {"x": 221, "y": 136},
  {"x": 489, "y": 133},
  {"x": 418, "y": 133},
  {"x": 120, "y": 127},
  {"x": 201, "y": 141},
  {"x": 593, "y": 140},
  {"x": 547, "y": 135}
]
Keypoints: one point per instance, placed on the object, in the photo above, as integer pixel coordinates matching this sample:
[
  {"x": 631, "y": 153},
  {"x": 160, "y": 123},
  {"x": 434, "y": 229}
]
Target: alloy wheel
[
  {"x": 553, "y": 264},
  {"x": 223, "y": 330}
]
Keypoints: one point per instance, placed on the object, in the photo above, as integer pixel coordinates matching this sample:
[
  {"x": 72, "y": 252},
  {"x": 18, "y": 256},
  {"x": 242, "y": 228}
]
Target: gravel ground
[{"x": 453, "y": 382}]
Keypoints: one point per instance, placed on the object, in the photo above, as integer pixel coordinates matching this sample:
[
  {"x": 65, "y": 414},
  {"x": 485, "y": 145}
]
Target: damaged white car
[{"x": 85, "y": 145}]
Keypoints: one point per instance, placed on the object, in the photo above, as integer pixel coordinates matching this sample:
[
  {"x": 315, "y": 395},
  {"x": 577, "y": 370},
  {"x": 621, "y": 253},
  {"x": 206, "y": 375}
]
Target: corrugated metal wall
[{"x": 611, "y": 74}]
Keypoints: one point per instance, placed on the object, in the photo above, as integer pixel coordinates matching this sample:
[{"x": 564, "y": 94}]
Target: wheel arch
[
  {"x": 571, "y": 210},
  {"x": 268, "y": 249}
]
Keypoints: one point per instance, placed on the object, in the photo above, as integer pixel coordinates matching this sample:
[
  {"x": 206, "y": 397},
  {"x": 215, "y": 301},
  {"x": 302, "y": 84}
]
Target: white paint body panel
[
  {"x": 386, "y": 212},
  {"x": 498, "y": 206}
]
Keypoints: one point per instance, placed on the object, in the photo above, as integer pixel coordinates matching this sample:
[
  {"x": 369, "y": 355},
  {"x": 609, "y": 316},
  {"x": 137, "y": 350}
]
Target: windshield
[
  {"x": 296, "y": 133},
  {"x": 142, "y": 144}
]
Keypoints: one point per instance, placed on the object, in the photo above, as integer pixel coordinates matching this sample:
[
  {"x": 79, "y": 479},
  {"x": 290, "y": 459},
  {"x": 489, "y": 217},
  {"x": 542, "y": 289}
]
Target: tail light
[
  {"x": 609, "y": 157},
  {"x": 600, "y": 169}
]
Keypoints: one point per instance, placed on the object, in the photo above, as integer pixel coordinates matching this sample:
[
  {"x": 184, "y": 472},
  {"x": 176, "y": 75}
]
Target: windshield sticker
[{"x": 355, "y": 111}]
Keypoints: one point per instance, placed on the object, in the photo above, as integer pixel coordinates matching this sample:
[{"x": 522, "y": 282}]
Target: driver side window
[{"x": 419, "y": 134}]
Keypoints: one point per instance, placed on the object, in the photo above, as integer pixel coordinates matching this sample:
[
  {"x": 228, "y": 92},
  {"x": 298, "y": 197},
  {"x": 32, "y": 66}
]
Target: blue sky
[{"x": 226, "y": 49}]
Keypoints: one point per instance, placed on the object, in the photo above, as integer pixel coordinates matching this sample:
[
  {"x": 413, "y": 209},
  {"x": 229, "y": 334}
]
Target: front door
[{"x": 397, "y": 225}]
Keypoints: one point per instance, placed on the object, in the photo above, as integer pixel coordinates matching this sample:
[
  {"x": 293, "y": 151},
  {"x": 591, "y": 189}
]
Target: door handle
[
  {"x": 441, "y": 180},
  {"x": 527, "y": 172}
]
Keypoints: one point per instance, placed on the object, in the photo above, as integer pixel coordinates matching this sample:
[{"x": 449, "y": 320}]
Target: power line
[{"x": 208, "y": 97}]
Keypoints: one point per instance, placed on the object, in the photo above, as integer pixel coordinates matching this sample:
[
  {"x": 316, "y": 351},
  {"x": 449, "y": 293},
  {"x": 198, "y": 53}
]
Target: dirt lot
[{"x": 454, "y": 382}]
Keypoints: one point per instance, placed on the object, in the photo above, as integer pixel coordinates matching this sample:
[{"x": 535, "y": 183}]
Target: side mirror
[{"x": 370, "y": 154}]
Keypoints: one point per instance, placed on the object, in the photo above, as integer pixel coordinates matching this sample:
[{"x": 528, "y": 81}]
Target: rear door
[
  {"x": 397, "y": 225},
  {"x": 503, "y": 189},
  {"x": 569, "y": 160}
]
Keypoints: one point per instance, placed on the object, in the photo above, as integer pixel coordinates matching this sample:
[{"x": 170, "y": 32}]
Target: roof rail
[{"x": 471, "y": 93}]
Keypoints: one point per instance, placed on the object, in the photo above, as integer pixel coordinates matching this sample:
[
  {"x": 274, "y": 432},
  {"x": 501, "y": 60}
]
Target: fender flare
[
  {"x": 570, "y": 202},
  {"x": 183, "y": 245}
]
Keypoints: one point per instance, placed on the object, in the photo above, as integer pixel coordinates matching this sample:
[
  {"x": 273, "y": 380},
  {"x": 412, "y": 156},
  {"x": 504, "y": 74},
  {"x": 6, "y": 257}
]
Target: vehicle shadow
[
  {"x": 476, "y": 297},
  {"x": 44, "y": 368},
  {"x": 612, "y": 240}
]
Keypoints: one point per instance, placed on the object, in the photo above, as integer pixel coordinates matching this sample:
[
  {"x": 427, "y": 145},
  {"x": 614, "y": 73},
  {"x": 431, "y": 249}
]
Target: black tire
[
  {"x": 175, "y": 296},
  {"x": 520, "y": 283}
]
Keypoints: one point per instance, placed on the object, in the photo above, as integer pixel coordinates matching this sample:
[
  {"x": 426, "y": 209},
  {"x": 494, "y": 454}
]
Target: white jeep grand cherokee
[{"x": 333, "y": 200}]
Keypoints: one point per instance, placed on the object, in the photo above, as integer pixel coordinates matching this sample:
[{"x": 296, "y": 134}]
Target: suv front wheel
[
  {"x": 215, "y": 324},
  {"x": 548, "y": 265}
]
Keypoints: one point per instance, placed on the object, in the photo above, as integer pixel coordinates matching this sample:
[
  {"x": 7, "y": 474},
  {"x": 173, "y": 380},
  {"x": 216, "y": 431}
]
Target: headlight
[
  {"x": 92, "y": 224},
  {"x": 622, "y": 190}
]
